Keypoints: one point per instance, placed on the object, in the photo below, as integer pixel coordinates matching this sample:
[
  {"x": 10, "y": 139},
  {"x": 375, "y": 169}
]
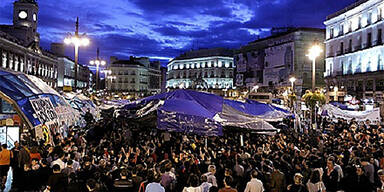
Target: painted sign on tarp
[{"x": 44, "y": 109}]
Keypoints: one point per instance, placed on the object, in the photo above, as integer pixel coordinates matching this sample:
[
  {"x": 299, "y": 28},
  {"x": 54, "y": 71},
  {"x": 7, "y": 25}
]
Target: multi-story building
[
  {"x": 66, "y": 69},
  {"x": 135, "y": 76},
  {"x": 269, "y": 62},
  {"x": 354, "y": 50},
  {"x": 20, "y": 45},
  {"x": 207, "y": 69}
]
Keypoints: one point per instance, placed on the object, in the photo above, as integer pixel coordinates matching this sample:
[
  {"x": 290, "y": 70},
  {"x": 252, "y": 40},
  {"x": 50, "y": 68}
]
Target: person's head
[
  {"x": 193, "y": 180},
  {"x": 124, "y": 173},
  {"x": 4, "y": 146},
  {"x": 228, "y": 181},
  {"x": 254, "y": 174},
  {"x": 330, "y": 162},
  {"x": 359, "y": 170},
  {"x": 204, "y": 178},
  {"x": 315, "y": 176},
  {"x": 17, "y": 144},
  {"x": 69, "y": 163},
  {"x": 297, "y": 178},
  {"x": 56, "y": 168},
  {"x": 35, "y": 161},
  {"x": 380, "y": 173},
  {"x": 91, "y": 184},
  {"x": 212, "y": 169}
]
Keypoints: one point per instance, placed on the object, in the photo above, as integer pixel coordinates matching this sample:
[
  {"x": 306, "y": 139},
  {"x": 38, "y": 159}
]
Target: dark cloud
[{"x": 165, "y": 28}]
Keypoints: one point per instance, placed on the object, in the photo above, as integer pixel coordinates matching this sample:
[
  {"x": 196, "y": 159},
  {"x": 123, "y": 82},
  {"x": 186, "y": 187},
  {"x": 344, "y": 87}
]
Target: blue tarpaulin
[
  {"x": 38, "y": 102},
  {"x": 204, "y": 113}
]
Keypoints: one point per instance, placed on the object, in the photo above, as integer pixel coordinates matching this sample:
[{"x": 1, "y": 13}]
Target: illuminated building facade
[
  {"x": 20, "y": 45},
  {"x": 354, "y": 51},
  {"x": 206, "y": 69}
]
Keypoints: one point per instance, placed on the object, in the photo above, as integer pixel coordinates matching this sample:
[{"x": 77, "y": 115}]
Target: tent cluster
[
  {"x": 40, "y": 106},
  {"x": 206, "y": 114}
]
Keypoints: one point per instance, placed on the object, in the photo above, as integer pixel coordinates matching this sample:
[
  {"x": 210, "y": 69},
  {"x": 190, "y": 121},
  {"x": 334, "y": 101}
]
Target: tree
[{"x": 313, "y": 101}]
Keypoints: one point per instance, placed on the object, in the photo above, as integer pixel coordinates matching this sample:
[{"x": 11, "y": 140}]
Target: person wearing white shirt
[
  {"x": 60, "y": 162},
  {"x": 254, "y": 185}
]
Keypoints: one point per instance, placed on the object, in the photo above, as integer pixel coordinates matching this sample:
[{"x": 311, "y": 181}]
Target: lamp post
[
  {"x": 77, "y": 41},
  {"x": 314, "y": 52},
  {"x": 97, "y": 62}
]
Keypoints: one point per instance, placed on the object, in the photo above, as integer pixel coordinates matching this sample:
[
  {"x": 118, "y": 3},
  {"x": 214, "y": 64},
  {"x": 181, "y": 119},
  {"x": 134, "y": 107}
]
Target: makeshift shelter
[
  {"x": 205, "y": 114},
  {"x": 82, "y": 104},
  {"x": 335, "y": 112},
  {"x": 41, "y": 108}
]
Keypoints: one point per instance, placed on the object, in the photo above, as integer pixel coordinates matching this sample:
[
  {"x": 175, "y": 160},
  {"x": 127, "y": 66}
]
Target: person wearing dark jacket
[
  {"x": 57, "y": 182},
  {"x": 360, "y": 181},
  {"x": 330, "y": 177}
]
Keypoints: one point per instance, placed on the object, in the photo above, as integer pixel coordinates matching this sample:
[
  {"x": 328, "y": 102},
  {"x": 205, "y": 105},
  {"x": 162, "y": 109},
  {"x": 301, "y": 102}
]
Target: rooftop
[
  {"x": 350, "y": 7},
  {"x": 205, "y": 53}
]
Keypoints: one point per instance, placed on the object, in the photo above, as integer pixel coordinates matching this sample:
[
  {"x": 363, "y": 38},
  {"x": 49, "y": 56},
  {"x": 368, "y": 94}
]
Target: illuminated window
[{"x": 380, "y": 65}]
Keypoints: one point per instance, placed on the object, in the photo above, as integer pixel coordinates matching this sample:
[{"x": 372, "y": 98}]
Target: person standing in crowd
[
  {"x": 314, "y": 183},
  {"x": 211, "y": 178},
  {"x": 360, "y": 181},
  {"x": 193, "y": 183},
  {"x": 298, "y": 185},
  {"x": 205, "y": 186},
  {"x": 5, "y": 161},
  {"x": 228, "y": 185},
  {"x": 254, "y": 185},
  {"x": 57, "y": 182},
  {"x": 380, "y": 186},
  {"x": 330, "y": 177},
  {"x": 155, "y": 185}
]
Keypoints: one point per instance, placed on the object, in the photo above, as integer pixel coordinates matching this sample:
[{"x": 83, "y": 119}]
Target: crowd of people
[{"x": 116, "y": 154}]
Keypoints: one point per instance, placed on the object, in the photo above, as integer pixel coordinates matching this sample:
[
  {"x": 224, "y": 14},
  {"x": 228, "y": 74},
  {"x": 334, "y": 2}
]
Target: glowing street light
[
  {"x": 313, "y": 53},
  {"x": 97, "y": 62},
  {"x": 77, "y": 41},
  {"x": 292, "y": 80}
]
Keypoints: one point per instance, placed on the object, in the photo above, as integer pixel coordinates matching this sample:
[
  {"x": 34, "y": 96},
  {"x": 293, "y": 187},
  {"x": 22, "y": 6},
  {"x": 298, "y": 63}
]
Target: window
[
  {"x": 380, "y": 65},
  {"x": 379, "y": 37},
  {"x": 331, "y": 33},
  {"x": 349, "y": 71},
  {"x": 359, "y": 23},
  {"x": 349, "y": 26},
  {"x": 266, "y": 64},
  {"x": 349, "y": 46},
  {"x": 369, "y": 18},
  {"x": 369, "y": 40},
  {"x": 341, "y": 30},
  {"x": 379, "y": 14}
]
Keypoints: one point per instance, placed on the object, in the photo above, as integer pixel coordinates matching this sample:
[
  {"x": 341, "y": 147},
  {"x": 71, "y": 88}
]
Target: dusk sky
[{"x": 162, "y": 29}]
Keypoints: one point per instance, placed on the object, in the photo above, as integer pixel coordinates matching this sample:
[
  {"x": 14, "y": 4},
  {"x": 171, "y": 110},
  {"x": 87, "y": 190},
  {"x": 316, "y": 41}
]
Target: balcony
[{"x": 339, "y": 52}]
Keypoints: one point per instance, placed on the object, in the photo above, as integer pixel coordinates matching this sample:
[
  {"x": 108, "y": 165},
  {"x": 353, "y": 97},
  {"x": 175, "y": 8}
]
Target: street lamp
[
  {"x": 292, "y": 80},
  {"x": 97, "y": 62},
  {"x": 77, "y": 41},
  {"x": 314, "y": 52}
]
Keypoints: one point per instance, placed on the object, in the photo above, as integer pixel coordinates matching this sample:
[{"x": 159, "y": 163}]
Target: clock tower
[{"x": 25, "y": 17}]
